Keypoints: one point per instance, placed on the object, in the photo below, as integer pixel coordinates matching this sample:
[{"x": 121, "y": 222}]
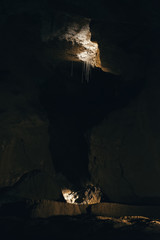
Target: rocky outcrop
[
  {"x": 25, "y": 162},
  {"x": 36, "y": 185},
  {"x": 119, "y": 210},
  {"x": 45, "y": 209}
]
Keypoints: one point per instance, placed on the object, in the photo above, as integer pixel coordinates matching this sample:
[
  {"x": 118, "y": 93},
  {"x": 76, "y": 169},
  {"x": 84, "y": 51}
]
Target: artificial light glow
[
  {"x": 89, "y": 195},
  {"x": 69, "y": 196},
  {"x": 89, "y": 51},
  {"x": 89, "y": 55}
]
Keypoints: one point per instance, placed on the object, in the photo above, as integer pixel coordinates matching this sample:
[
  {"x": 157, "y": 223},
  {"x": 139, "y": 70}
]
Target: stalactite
[{"x": 86, "y": 70}]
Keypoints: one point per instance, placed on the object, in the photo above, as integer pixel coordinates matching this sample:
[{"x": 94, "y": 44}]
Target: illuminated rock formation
[{"x": 88, "y": 195}]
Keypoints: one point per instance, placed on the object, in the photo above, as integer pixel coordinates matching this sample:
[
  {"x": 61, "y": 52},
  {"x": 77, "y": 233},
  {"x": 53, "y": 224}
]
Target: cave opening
[
  {"x": 73, "y": 107},
  {"x": 77, "y": 97}
]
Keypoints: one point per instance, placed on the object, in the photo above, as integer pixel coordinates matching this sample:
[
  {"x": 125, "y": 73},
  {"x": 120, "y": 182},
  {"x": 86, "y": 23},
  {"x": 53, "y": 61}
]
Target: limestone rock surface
[{"x": 124, "y": 149}]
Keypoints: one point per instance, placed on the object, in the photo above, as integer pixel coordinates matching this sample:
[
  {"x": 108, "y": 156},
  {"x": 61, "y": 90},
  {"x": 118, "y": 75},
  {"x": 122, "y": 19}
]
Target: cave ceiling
[{"x": 122, "y": 30}]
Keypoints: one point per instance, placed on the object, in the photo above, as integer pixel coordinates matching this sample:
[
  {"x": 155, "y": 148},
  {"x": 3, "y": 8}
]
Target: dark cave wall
[
  {"x": 124, "y": 153},
  {"x": 123, "y": 47},
  {"x": 26, "y": 165},
  {"x": 124, "y": 147}
]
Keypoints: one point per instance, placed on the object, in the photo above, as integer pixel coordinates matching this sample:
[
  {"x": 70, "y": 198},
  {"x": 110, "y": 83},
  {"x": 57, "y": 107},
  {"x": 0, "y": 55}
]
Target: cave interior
[{"x": 79, "y": 114}]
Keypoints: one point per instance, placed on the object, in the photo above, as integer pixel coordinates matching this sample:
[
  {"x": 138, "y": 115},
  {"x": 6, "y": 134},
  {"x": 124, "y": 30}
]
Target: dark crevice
[{"x": 73, "y": 107}]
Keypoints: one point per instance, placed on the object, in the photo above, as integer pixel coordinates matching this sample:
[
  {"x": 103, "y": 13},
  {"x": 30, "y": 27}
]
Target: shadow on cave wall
[{"x": 73, "y": 107}]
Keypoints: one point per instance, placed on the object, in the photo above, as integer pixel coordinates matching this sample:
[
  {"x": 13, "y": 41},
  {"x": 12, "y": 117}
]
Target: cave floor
[{"x": 80, "y": 227}]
